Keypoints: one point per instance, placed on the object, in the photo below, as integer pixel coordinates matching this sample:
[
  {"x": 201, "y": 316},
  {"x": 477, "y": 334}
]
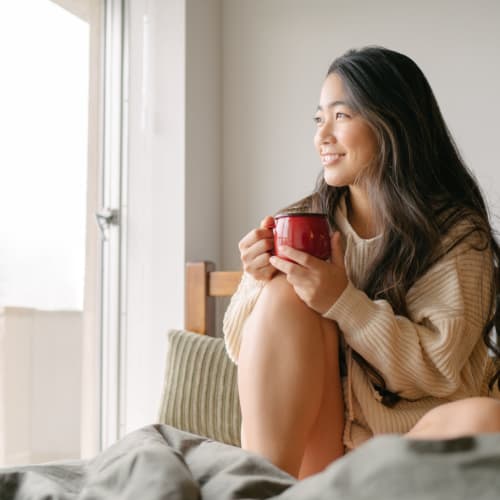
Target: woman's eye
[
  {"x": 318, "y": 120},
  {"x": 340, "y": 115}
]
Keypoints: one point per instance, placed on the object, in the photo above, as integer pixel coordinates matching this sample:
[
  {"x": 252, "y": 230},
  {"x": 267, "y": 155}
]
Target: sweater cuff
[{"x": 352, "y": 310}]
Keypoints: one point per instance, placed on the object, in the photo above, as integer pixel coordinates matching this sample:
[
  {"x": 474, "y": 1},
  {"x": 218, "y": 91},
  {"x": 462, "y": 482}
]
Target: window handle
[{"x": 107, "y": 217}]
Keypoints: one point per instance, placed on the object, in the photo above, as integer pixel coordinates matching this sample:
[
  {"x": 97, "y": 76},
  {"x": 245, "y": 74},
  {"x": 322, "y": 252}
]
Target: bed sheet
[{"x": 161, "y": 462}]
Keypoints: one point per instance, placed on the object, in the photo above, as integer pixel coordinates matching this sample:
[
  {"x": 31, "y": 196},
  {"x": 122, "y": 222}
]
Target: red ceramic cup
[{"x": 307, "y": 232}]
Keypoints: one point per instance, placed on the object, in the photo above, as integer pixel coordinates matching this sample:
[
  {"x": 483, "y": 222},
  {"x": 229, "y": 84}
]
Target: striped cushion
[{"x": 200, "y": 392}]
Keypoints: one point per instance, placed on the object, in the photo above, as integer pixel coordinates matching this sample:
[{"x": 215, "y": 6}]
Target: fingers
[
  {"x": 297, "y": 265},
  {"x": 259, "y": 247},
  {"x": 264, "y": 273},
  {"x": 260, "y": 268},
  {"x": 317, "y": 283},
  {"x": 253, "y": 236},
  {"x": 294, "y": 271},
  {"x": 254, "y": 250},
  {"x": 267, "y": 222},
  {"x": 302, "y": 258},
  {"x": 282, "y": 265}
]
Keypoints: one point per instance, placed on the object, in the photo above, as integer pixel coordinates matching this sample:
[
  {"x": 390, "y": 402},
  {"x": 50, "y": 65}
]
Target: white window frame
[{"x": 114, "y": 181}]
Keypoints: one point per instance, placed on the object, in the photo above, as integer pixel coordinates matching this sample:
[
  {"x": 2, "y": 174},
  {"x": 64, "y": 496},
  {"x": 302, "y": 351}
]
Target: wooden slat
[
  {"x": 223, "y": 283},
  {"x": 203, "y": 284},
  {"x": 199, "y": 314}
]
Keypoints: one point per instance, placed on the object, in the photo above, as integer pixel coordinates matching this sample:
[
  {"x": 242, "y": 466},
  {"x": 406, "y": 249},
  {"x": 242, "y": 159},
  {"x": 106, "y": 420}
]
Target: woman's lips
[{"x": 331, "y": 159}]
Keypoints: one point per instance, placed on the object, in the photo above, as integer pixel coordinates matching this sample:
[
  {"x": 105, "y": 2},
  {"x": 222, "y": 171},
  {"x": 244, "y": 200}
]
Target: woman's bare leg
[
  {"x": 460, "y": 418},
  {"x": 289, "y": 383},
  {"x": 325, "y": 443}
]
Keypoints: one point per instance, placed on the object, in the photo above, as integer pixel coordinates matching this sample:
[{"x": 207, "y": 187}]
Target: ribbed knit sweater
[{"x": 434, "y": 355}]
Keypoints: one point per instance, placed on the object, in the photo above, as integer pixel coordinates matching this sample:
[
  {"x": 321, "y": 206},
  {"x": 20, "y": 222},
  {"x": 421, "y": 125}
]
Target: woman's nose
[{"x": 327, "y": 135}]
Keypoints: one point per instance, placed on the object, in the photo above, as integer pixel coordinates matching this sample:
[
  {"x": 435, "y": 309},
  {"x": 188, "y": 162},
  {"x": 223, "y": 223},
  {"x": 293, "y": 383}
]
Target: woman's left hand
[{"x": 317, "y": 282}]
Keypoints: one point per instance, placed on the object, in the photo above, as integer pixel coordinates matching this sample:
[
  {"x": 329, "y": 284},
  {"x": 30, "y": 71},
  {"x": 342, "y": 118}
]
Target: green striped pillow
[{"x": 200, "y": 393}]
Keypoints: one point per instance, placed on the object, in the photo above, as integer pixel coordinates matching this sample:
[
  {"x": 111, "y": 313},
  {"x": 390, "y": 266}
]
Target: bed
[{"x": 193, "y": 452}]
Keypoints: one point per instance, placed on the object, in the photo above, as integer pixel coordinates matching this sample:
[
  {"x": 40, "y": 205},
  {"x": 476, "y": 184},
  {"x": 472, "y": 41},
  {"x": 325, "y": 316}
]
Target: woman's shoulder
[{"x": 463, "y": 231}]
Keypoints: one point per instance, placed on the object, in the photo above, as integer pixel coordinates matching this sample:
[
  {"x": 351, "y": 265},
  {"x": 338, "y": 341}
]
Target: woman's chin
[{"x": 333, "y": 180}]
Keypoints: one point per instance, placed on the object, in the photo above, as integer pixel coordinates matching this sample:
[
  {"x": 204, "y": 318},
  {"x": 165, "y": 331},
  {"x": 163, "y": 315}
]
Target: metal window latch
[{"x": 107, "y": 217}]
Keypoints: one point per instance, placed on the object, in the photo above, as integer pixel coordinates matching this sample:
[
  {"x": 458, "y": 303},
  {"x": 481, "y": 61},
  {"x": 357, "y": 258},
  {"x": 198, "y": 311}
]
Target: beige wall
[{"x": 276, "y": 53}]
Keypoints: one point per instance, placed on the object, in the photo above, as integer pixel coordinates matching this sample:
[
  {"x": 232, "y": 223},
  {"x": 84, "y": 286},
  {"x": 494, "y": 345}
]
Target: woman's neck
[{"x": 360, "y": 213}]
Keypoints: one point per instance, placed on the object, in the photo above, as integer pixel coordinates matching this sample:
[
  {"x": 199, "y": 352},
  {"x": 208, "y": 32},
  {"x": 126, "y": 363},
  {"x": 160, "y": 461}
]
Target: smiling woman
[{"x": 407, "y": 300}]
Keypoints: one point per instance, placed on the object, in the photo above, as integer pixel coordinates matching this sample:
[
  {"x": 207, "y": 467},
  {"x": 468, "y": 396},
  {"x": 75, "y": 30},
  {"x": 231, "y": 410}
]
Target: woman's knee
[
  {"x": 484, "y": 414},
  {"x": 281, "y": 321},
  {"x": 279, "y": 303},
  {"x": 279, "y": 292},
  {"x": 469, "y": 416},
  {"x": 475, "y": 415}
]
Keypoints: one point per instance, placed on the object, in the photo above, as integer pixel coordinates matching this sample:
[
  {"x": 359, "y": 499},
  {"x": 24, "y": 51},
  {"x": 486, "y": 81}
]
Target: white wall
[
  {"x": 203, "y": 168},
  {"x": 155, "y": 224},
  {"x": 174, "y": 181},
  {"x": 276, "y": 53},
  {"x": 40, "y": 379}
]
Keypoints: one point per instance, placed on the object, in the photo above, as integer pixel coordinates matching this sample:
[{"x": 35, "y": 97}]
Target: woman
[{"x": 397, "y": 323}]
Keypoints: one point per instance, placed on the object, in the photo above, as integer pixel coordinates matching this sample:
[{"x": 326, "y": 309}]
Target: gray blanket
[{"x": 161, "y": 462}]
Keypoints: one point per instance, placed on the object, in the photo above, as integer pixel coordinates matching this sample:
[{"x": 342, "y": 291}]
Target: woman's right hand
[{"x": 254, "y": 251}]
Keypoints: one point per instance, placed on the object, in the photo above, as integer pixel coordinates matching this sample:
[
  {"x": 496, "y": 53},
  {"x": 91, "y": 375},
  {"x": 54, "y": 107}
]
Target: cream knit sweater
[{"x": 435, "y": 355}]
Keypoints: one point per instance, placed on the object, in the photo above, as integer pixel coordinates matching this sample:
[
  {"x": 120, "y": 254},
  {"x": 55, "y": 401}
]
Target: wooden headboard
[{"x": 203, "y": 285}]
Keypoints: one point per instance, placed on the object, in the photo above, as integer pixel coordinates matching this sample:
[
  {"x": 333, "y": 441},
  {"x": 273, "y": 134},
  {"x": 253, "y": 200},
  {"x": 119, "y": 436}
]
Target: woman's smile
[{"x": 328, "y": 159}]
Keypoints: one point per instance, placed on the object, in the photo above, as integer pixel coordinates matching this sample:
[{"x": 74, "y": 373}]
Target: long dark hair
[{"x": 419, "y": 185}]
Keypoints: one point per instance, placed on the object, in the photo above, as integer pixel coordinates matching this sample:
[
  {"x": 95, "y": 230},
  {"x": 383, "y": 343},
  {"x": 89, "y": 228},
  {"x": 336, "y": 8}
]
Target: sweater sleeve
[
  {"x": 423, "y": 354},
  {"x": 238, "y": 310}
]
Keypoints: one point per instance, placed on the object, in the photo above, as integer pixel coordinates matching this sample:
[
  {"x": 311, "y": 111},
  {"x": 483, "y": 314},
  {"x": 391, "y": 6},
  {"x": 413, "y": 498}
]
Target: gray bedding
[{"x": 161, "y": 462}]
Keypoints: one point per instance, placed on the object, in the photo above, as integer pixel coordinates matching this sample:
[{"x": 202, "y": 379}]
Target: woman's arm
[{"x": 425, "y": 354}]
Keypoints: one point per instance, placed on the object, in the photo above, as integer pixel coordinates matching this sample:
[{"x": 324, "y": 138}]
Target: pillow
[{"x": 200, "y": 393}]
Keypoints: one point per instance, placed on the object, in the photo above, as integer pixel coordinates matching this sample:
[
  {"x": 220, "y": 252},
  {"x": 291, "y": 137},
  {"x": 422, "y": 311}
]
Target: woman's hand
[
  {"x": 317, "y": 282},
  {"x": 255, "y": 248}
]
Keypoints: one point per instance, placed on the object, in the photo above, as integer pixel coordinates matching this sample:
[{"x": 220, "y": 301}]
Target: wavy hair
[{"x": 419, "y": 185}]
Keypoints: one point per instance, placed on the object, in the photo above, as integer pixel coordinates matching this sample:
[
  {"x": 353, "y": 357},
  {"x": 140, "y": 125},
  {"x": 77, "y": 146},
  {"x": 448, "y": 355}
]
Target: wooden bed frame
[{"x": 203, "y": 285}]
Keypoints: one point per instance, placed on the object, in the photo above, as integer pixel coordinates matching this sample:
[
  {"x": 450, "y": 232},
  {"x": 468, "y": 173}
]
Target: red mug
[{"x": 307, "y": 232}]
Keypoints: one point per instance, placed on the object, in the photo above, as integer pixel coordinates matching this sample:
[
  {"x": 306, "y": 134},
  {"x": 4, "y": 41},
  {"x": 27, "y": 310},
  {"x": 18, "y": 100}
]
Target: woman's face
[{"x": 344, "y": 140}]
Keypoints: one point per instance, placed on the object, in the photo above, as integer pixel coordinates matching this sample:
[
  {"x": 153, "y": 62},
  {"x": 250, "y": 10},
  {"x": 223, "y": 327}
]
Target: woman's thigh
[
  {"x": 281, "y": 337},
  {"x": 288, "y": 379}
]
